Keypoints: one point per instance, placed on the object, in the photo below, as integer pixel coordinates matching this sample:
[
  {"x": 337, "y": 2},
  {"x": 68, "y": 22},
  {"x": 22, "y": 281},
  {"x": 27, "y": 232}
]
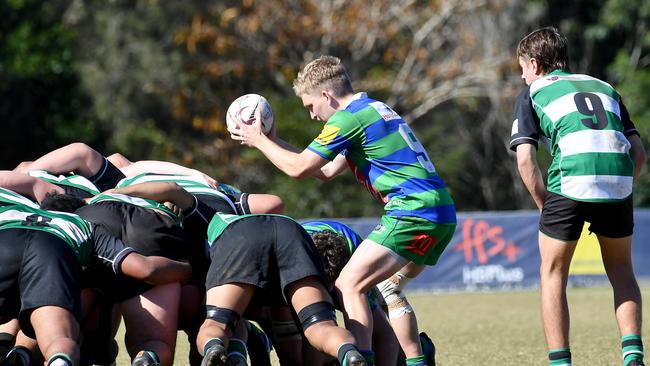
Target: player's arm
[
  {"x": 154, "y": 270},
  {"x": 259, "y": 203},
  {"x": 27, "y": 185},
  {"x": 296, "y": 164},
  {"x": 530, "y": 173},
  {"x": 638, "y": 154},
  {"x": 328, "y": 171},
  {"x": 165, "y": 167},
  {"x": 159, "y": 192},
  {"x": 637, "y": 151},
  {"x": 332, "y": 168}
]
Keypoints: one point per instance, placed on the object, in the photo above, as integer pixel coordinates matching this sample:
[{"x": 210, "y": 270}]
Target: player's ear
[{"x": 535, "y": 65}]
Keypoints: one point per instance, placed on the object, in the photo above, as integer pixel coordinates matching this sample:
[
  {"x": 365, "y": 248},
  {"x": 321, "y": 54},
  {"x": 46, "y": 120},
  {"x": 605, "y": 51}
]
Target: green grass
[{"x": 504, "y": 328}]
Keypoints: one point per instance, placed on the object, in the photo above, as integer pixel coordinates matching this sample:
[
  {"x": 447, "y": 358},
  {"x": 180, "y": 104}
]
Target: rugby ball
[{"x": 243, "y": 109}]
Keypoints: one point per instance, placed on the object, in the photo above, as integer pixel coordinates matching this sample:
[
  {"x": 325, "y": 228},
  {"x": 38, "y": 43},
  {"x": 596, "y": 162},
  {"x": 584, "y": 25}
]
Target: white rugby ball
[{"x": 243, "y": 109}]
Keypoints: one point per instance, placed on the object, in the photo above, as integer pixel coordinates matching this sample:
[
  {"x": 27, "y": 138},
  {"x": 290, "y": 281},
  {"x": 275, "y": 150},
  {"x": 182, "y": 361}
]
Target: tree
[
  {"x": 415, "y": 55},
  {"x": 42, "y": 102}
]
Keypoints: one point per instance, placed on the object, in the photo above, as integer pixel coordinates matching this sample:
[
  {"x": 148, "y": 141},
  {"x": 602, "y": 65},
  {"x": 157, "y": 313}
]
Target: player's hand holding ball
[{"x": 247, "y": 116}]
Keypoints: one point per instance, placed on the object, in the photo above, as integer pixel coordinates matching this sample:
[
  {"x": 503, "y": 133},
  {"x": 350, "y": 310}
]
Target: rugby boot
[
  {"x": 145, "y": 358},
  {"x": 354, "y": 358},
  {"x": 259, "y": 346},
  {"x": 636, "y": 363},
  {"x": 216, "y": 355},
  {"x": 428, "y": 349},
  {"x": 17, "y": 356}
]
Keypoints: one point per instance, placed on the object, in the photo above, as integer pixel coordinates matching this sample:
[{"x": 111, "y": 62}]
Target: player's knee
[
  {"x": 80, "y": 149},
  {"x": 224, "y": 316},
  {"x": 391, "y": 290},
  {"x": 348, "y": 284},
  {"x": 316, "y": 313}
]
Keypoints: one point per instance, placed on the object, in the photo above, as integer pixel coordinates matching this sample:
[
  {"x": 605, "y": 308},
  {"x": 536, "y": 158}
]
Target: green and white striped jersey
[
  {"x": 192, "y": 184},
  {"x": 75, "y": 231},
  {"x": 9, "y": 197},
  {"x": 586, "y": 126},
  {"x": 220, "y": 221},
  {"x": 137, "y": 201},
  {"x": 76, "y": 181}
]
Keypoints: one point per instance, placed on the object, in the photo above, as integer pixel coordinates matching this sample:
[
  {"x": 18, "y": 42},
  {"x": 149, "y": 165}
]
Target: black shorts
[
  {"x": 268, "y": 252},
  {"x": 563, "y": 218},
  {"x": 145, "y": 230},
  {"x": 36, "y": 269},
  {"x": 107, "y": 177}
]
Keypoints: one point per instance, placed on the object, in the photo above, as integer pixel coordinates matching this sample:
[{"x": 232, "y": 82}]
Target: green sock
[
  {"x": 416, "y": 361},
  {"x": 559, "y": 357},
  {"x": 237, "y": 348},
  {"x": 369, "y": 355},
  {"x": 60, "y": 359},
  {"x": 632, "y": 348},
  {"x": 212, "y": 342}
]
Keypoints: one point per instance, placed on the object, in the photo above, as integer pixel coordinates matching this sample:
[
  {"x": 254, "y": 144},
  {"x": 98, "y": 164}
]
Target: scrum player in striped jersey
[
  {"x": 597, "y": 154},
  {"x": 47, "y": 250}
]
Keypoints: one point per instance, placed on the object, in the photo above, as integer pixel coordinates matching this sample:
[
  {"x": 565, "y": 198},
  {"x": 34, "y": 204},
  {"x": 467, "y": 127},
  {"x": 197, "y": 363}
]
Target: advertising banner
[{"x": 498, "y": 250}]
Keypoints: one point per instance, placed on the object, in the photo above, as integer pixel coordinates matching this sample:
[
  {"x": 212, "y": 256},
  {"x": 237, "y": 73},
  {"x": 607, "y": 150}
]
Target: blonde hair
[{"x": 323, "y": 73}]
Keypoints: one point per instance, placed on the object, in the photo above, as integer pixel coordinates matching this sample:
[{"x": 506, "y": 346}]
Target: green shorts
[{"x": 418, "y": 240}]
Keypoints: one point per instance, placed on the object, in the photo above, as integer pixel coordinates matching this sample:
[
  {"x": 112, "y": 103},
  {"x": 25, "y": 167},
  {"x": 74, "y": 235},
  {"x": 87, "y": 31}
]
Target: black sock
[{"x": 343, "y": 351}]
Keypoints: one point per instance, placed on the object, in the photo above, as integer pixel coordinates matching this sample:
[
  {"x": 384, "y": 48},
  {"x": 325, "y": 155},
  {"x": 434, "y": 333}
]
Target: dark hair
[
  {"x": 334, "y": 253},
  {"x": 548, "y": 47},
  {"x": 61, "y": 202}
]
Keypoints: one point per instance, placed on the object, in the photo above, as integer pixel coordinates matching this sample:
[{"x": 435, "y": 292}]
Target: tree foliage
[
  {"x": 42, "y": 103},
  {"x": 153, "y": 80}
]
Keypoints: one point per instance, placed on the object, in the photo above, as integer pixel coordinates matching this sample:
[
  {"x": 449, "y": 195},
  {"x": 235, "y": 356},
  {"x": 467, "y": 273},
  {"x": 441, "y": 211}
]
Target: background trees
[{"x": 153, "y": 80}]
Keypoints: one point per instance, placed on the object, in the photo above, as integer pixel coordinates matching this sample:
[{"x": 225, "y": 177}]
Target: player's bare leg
[
  {"x": 554, "y": 271},
  {"x": 312, "y": 303},
  {"x": 77, "y": 157},
  {"x": 226, "y": 303},
  {"x": 370, "y": 264},
  {"x": 151, "y": 322},
  {"x": 617, "y": 258},
  {"x": 401, "y": 314},
  {"x": 56, "y": 331}
]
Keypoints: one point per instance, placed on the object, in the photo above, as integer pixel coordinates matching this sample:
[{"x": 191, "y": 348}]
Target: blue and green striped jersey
[{"x": 387, "y": 159}]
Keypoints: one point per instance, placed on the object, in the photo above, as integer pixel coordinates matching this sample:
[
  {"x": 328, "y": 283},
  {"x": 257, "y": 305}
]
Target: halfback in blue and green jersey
[
  {"x": 353, "y": 239},
  {"x": 75, "y": 231},
  {"x": 581, "y": 116},
  {"x": 387, "y": 159}
]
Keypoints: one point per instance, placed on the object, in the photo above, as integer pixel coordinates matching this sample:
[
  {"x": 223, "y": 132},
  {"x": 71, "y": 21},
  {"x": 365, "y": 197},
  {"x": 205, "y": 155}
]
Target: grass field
[{"x": 504, "y": 328}]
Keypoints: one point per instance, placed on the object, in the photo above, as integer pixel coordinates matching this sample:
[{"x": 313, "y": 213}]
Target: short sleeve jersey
[
  {"x": 141, "y": 202},
  {"x": 387, "y": 159},
  {"x": 353, "y": 239},
  {"x": 86, "y": 240},
  {"x": 192, "y": 184},
  {"x": 75, "y": 181},
  {"x": 220, "y": 221},
  {"x": 585, "y": 125}
]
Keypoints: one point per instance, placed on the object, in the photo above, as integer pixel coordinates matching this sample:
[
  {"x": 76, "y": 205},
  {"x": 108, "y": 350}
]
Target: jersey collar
[{"x": 357, "y": 96}]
